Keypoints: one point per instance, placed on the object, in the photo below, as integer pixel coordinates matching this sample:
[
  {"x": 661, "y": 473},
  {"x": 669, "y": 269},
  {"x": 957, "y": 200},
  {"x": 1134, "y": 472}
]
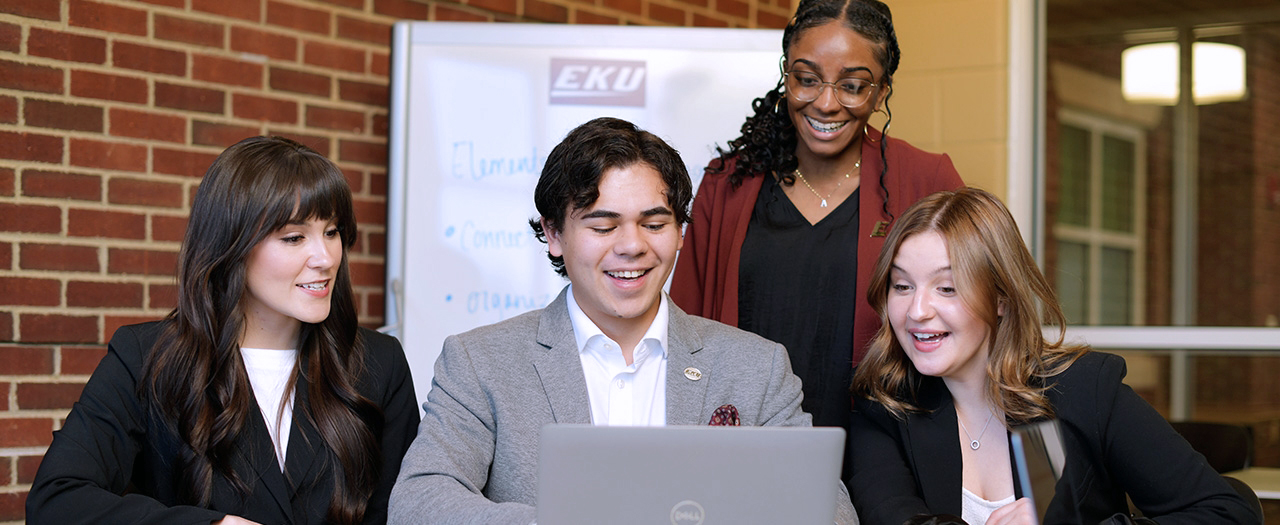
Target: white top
[
  {"x": 975, "y": 510},
  {"x": 621, "y": 394},
  {"x": 268, "y": 374}
]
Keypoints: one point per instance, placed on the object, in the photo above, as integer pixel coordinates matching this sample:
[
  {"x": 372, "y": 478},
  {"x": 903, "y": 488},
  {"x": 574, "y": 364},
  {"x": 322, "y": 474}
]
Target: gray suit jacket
[{"x": 475, "y": 459}]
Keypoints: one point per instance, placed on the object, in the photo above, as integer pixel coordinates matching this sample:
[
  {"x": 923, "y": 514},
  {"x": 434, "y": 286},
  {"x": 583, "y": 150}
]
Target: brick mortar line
[
  {"x": 366, "y": 258},
  {"x": 114, "y": 242},
  {"x": 23, "y": 165},
  {"x": 104, "y": 136},
  {"x": 262, "y": 126},
  {"x": 85, "y": 311},
  {"x": 66, "y": 204},
  {"x": 380, "y": 227},
  {"x": 104, "y": 277},
  {"x": 175, "y": 213},
  {"x": 227, "y": 120},
  {"x": 65, "y": 277},
  {"x": 348, "y": 104},
  {"x": 708, "y": 10},
  {"x": 329, "y": 133},
  {"x": 153, "y": 78},
  {"x": 50, "y": 413},
  {"x": 190, "y": 51},
  {"x": 227, "y": 22},
  {"x": 17, "y": 452},
  {"x": 82, "y": 311},
  {"x": 39, "y": 379},
  {"x": 89, "y": 242},
  {"x": 332, "y": 10}
]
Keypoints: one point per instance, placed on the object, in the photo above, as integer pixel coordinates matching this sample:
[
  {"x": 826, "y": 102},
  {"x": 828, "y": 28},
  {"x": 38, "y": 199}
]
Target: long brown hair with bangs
[
  {"x": 992, "y": 268},
  {"x": 195, "y": 380}
]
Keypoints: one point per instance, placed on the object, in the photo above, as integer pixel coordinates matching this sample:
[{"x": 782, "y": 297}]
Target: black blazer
[
  {"x": 113, "y": 460},
  {"x": 1115, "y": 444}
]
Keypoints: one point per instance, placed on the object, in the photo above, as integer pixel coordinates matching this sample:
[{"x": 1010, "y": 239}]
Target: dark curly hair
[
  {"x": 768, "y": 141},
  {"x": 570, "y": 179}
]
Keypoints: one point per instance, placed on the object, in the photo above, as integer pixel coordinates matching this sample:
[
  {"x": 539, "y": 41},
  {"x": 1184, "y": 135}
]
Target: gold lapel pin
[
  {"x": 693, "y": 373},
  {"x": 882, "y": 228}
]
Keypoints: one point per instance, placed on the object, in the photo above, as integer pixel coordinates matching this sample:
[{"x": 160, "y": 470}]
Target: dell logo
[
  {"x": 687, "y": 512},
  {"x": 597, "y": 82}
]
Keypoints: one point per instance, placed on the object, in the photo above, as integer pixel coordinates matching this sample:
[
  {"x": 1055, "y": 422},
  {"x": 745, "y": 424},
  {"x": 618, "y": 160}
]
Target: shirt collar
[{"x": 584, "y": 329}]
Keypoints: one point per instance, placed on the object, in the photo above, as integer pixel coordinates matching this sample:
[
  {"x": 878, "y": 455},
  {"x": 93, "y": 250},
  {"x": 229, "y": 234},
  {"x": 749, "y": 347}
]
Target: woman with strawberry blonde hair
[{"x": 960, "y": 358}]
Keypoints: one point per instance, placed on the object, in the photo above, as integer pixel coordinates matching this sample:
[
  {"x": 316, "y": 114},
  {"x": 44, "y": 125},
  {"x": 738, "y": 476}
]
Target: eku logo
[{"x": 597, "y": 82}]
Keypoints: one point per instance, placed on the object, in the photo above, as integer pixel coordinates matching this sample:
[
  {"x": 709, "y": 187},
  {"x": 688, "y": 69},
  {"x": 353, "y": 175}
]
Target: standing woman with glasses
[
  {"x": 788, "y": 222},
  {"x": 258, "y": 399}
]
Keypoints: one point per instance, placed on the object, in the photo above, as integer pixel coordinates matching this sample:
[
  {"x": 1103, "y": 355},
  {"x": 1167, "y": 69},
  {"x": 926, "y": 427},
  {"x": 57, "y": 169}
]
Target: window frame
[
  {"x": 1096, "y": 237},
  {"x": 1025, "y": 183}
]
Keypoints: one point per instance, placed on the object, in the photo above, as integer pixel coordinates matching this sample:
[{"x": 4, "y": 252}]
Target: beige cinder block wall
[{"x": 951, "y": 92}]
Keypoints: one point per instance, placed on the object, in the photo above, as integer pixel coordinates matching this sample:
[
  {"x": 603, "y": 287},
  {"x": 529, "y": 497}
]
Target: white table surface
[{"x": 1263, "y": 480}]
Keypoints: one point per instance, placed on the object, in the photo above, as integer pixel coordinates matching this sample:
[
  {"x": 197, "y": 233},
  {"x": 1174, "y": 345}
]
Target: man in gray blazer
[{"x": 611, "y": 349}]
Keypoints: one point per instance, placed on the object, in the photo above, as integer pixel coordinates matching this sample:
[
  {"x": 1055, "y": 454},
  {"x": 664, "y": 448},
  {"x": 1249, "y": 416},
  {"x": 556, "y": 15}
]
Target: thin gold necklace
[{"x": 856, "y": 167}]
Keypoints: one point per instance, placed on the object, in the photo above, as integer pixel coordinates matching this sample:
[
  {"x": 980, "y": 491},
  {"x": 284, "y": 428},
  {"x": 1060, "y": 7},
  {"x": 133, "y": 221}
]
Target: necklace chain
[
  {"x": 974, "y": 443},
  {"x": 856, "y": 167}
]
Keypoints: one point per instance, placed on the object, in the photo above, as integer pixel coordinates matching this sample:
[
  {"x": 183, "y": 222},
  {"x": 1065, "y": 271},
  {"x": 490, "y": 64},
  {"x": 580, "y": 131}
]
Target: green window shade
[
  {"x": 1072, "y": 275},
  {"x": 1074, "y": 152},
  {"x": 1117, "y": 184},
  {"x": 1117, "y": 286}
]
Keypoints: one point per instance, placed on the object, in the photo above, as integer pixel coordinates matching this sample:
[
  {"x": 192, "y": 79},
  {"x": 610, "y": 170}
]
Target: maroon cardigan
[{"x": 706, "y": 274}]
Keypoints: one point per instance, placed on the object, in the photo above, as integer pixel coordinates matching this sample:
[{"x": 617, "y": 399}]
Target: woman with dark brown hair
[
  {"x": 257, "y": 399},
  {"x": 961, "y": 357}
]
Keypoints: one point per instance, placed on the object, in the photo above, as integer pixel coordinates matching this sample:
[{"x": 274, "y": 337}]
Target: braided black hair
[{"x": 768, "y": 141}]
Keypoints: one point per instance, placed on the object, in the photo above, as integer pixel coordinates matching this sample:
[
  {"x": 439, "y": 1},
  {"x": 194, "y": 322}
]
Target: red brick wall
[
  {"x": 110, "y": 111},
  {"x": 1265, "y": 94}
]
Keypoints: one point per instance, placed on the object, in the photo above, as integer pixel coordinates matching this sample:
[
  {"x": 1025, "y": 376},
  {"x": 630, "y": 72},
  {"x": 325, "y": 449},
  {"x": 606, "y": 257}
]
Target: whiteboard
[{"x": 475, "y": 110}]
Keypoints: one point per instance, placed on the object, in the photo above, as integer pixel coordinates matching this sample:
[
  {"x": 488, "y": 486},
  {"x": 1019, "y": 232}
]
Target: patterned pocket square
[{"x": 725, "y": 416}]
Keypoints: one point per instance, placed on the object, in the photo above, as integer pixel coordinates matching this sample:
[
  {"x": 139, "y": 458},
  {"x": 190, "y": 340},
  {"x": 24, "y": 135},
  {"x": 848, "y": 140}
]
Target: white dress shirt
[
  {"x": 268, "y": 375},
  {"x": 621, "y": 394}
]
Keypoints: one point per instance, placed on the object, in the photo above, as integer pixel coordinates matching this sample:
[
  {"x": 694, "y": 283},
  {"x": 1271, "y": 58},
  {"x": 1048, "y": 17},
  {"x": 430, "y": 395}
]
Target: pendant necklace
[
  {"x": 856, "y": 166},
  {"x": 974, "y": 443}
]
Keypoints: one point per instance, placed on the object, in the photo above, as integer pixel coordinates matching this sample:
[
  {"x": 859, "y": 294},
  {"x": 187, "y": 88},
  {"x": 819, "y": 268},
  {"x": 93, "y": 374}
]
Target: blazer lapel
[
  {"x": 688, "y": 373},
  {"x": 935, "y": 448},
  {"x": 305, "y": 444},
  {"x": 256, "y": 447},
  {"x": 559, "y": 367}
]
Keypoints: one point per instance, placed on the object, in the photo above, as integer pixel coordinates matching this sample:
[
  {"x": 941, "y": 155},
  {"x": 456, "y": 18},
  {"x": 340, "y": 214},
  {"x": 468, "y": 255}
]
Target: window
[
  {"x": 1160, "y": 222},
  {"x": 1099, "y": 227}
]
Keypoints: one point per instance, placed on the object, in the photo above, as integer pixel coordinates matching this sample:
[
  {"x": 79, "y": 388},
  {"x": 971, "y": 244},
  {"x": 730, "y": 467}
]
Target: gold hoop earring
[{"x": 866, "y": 135}]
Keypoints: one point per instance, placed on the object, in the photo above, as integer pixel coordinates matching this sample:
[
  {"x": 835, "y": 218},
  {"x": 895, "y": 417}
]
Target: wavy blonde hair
[{"x": 991, "y": 267}]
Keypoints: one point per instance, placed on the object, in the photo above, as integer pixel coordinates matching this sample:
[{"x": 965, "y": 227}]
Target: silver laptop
[
  {"x": 688, "y": 475},
  {"x": 1039, "y": 456}
]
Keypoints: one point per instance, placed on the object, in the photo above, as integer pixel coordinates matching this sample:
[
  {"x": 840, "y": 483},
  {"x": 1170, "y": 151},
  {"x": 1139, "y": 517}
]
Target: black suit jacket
[
  {"x": 1115, "y": 444},
  {"x": 113, "y": 461}
]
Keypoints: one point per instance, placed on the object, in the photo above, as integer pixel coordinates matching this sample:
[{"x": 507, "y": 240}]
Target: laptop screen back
[
  {"x": 1039, "y": 458},
  {"x": 688, "y": 475}
]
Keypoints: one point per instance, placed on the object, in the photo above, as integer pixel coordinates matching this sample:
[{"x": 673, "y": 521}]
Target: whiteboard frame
[{"x": 407, "y": 35}]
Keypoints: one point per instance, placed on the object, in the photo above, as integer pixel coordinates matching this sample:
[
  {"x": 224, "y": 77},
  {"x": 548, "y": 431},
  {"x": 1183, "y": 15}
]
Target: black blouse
[{"x": 796, "y": 286}]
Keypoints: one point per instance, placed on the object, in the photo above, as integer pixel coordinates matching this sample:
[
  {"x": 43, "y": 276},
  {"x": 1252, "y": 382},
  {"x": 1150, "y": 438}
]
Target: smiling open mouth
[
  {"x": 825, "y": 128},
  {"x": 629, "y": 274},
  {"x": 315, "y": 287},
  {"x": 930, "y": 338}
]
